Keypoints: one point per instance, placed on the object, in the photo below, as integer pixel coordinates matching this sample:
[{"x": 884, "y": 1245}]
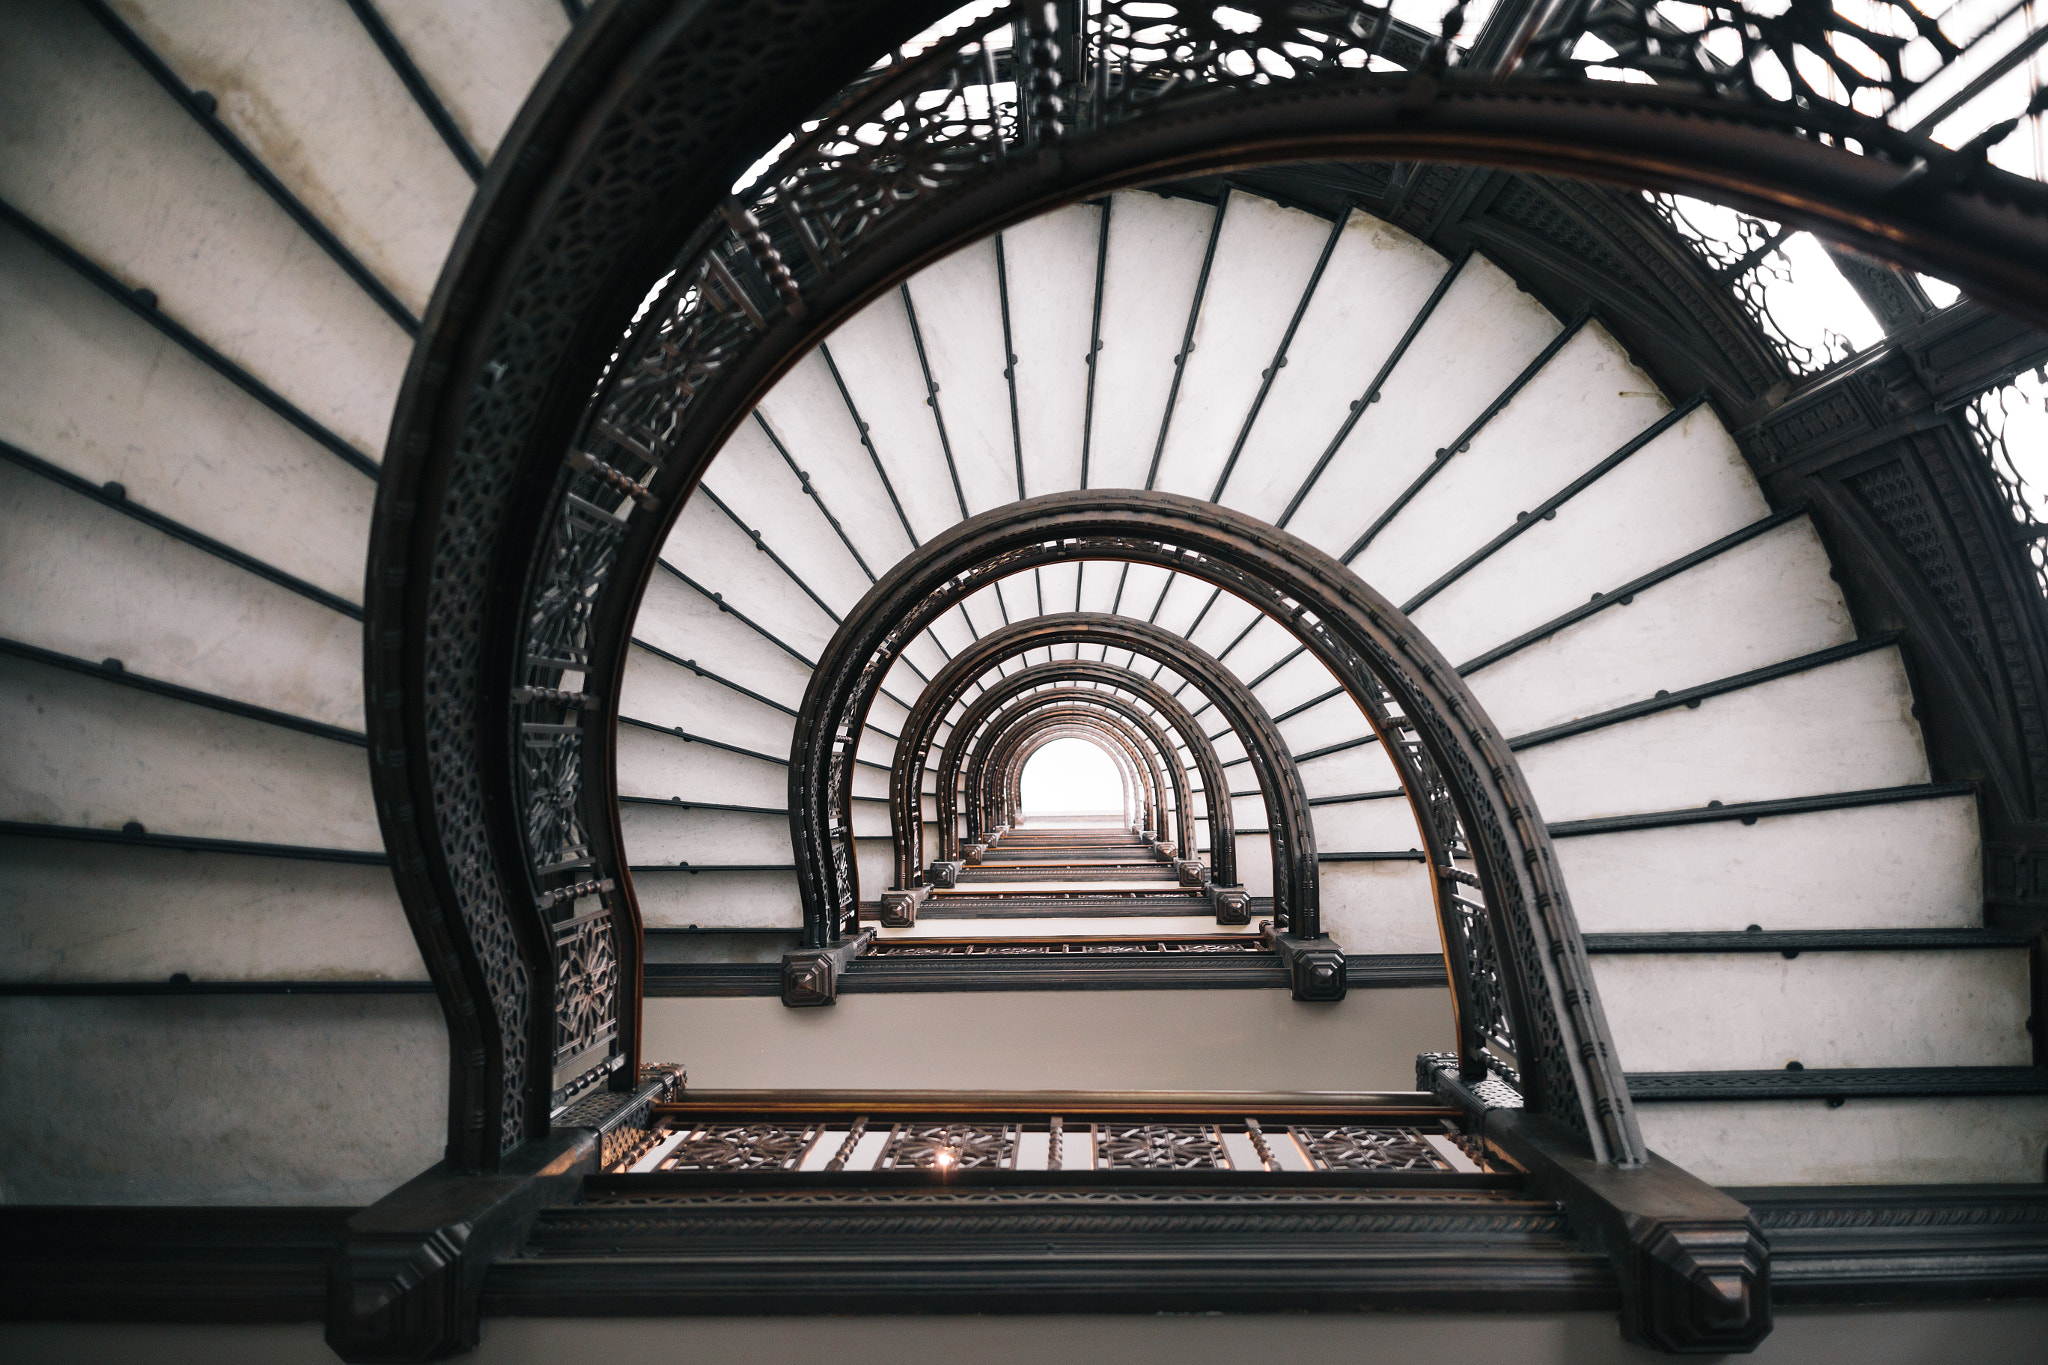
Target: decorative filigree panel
[
  {"x": 2011, "y": 426},
  {"x": 1159, "y": 1147},
  {"x": 552, "y": 764},
  {"x": 949, "y": 1146},
  {"x": 742, "y": 1147},
  {"x": 1353, "y": 1148},
  {"x": 1899, "y": 499},
  {"x": 586, "y": 984}
]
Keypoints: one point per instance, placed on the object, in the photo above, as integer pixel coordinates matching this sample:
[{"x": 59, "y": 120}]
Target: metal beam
[
  {"x": 143, "y": 304},
  {"x": 115, "y": 497},
  {"x": 417, "y": 86},
  {"x": 202, "y": 106},
  {"x": 1187, "y": 342}
]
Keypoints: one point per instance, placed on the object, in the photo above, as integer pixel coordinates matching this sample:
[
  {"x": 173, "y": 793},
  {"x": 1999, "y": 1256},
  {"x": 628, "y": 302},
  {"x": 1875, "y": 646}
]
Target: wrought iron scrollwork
[
  {"x": 1352, "y": 1147},
  {"x": 949, "y": 1146},
  {"x": 860, "y": 192},
  {"x": 1159, "y": 1147},
  {"x": 2010, "y": 423}
]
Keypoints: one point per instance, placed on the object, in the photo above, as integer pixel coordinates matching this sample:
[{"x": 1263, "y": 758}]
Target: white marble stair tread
[
  {"x": 168, "y": 210},
  {"x": 1052, "y": 925}
]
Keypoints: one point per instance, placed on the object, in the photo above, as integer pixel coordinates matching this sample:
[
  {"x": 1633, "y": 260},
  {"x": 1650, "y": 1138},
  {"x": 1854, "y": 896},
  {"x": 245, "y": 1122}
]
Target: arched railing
[
  {"x": 1119, "y": 722},
  {"x": 944, "y": 692},
  {"x": 825, "y": 870},
  {"x": 995, "y": 770},
  {"x": 1108, "y": 680},
  {"x": 535, "y": 461},
  {"x": 1520, "y": 954}
]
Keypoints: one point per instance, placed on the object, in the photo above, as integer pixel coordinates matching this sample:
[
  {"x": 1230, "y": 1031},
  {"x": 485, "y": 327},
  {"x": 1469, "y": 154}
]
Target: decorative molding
[
  {"x": 1924, "y": 1082},
  {"x": 1792, "y": 942},
  {"x": 1887, "y": 1244},
  {"x": 404, "y": 1284},
  {"x": 1123, "y": 1243},
  {"x": 811, "y": 976},
  {"x": 620, "y": 1249},
  {"x": 1693, "y": 1266},
  {"x": 1079, "y": 965}
]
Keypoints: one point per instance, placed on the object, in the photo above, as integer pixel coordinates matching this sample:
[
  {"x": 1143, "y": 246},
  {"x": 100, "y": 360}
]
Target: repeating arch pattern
[
  {"x": 1173, "y": 717},
  {"x": 1035, "y": 730},
  {"x": 1394, "y": 674},
  {"x": 492, "y": 475},
  {"x": 1295, "y": 903},
  {"x": 1122, "y": 726}
]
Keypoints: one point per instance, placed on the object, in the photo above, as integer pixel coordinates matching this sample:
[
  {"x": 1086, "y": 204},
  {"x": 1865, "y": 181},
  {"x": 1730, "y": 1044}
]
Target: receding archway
[
  {"x": 1172, "y": 717},
  {"x": 1295, "y": 901},
  {"x": 1517, "y": 964},
  {"x": 1071, "y": 777}
]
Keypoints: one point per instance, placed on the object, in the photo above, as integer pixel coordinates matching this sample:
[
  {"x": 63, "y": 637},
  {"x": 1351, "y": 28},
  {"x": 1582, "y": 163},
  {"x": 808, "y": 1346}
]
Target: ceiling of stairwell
[{"x": 1582, "y": 543}]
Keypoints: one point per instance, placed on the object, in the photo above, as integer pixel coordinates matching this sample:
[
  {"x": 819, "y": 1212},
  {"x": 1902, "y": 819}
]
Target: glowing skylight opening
[
  {"x": 1071, "y": 777},
  {"x": 1785, "y": 280}
]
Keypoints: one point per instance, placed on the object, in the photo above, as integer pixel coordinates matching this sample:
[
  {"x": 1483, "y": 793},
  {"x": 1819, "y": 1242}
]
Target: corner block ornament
[
  {"x": 1317, "y": 973},
  {"x": 1233, "y": 904},
  {"x": 811, "y": 976},
  {"x": 809, "y": 979},
  {"x": 899, "y": 907}
]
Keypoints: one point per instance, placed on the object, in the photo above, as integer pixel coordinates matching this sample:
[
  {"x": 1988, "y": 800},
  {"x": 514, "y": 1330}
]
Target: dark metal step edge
[
  {"x": 1931, "y": 1082},
  {"x": 1154, "y": 971}
]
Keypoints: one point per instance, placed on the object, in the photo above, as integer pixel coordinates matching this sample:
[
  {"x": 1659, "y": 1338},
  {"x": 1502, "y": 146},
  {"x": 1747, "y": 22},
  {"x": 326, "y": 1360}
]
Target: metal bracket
[
  {"x": 810, "y": 976},
  {"x": 946, "y": 874},
  {"x": 1315, "y": 966},
  {"x": 1694, "y": 1269},
  {"x": 899, "y": 906},
  {"x": 407, "y": 1282}
]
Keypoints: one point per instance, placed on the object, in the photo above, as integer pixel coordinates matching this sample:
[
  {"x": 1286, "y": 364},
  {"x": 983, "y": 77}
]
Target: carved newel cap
[
  {"x": 1701, "y": 1286},
  {"x": 808, "y": 979}
]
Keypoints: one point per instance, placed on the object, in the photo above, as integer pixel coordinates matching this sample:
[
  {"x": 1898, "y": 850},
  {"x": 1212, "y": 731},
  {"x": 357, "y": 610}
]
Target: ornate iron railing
[
  {"x": 914, "y": 131},
  {"x": 1243, "y": 1145},
  {"x": 999, "y": 118},
  {"x": 2010, "y": 423}
]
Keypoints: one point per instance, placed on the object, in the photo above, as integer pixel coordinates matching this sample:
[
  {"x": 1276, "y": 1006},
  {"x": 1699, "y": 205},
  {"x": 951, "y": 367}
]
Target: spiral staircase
[{"x": 221, "y": 227}]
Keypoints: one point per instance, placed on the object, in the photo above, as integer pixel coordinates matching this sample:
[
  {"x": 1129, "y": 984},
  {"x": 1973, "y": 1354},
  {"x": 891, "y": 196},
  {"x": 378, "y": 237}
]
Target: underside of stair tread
[{"x": 221, "y": 229}]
